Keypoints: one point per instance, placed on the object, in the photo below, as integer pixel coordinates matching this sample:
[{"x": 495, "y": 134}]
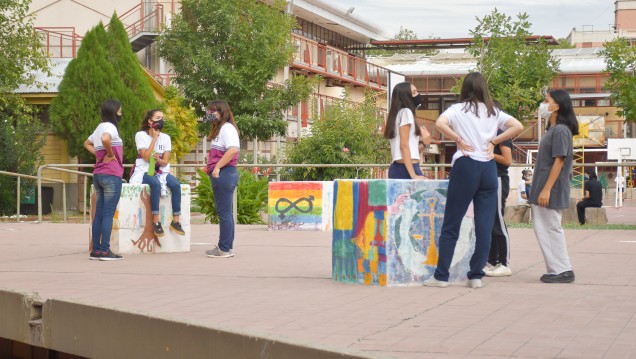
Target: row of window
[
  {"x": 436, "y": 103},
  {"x": 325, "y": 36}
]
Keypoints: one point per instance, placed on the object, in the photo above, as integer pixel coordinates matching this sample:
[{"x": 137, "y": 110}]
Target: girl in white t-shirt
[
  {"x": 404, "y": 134},
  {"x": 472, "y": 124},
  {"x": 151, "y": 142},
  {"x": 222, "y": 158}
]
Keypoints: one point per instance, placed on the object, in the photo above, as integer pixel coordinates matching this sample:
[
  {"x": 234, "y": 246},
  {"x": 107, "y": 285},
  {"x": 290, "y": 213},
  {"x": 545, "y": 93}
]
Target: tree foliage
[
  {"x": 22, "y": 135},
  {"x": 181, "y": 123},
  {"x": 22, "y": 54},
  {"x": 105, "y": 68},
  {"x": 348, "y": 133},
  {"x": 517, "y": 71},
  {"x": 620, "y": 59},
  {"x": 231, "y": 50}
]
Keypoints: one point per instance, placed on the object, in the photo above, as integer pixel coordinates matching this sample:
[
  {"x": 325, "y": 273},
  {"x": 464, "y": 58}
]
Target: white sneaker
[
  {"x": 489, "y": 268},
  {"x": 432, "y": 282},
  {"x": 474, "y": 283},
  {"x": 500, "y": 271}
]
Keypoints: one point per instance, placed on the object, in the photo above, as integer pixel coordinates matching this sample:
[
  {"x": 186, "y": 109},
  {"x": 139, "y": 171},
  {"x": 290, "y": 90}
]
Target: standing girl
[
  {"x": 108, "y": 149},
  {"x": 222, "y": 159},
  {"x": 551, "y": 184},
  {"x": 472, "y": 123},
  {"x": 404, "y": 134}
]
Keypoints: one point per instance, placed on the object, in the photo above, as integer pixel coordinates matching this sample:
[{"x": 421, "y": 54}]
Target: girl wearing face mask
[
  {"x": 151, "y": 142},
  {"x": 404, "y": 134},
  {"x": 550, "y": 193},
  {"x": 108, "y": 149}
]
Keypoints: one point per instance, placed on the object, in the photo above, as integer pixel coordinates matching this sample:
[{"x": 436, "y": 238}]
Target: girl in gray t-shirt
[{"x": 551, "y": 184}]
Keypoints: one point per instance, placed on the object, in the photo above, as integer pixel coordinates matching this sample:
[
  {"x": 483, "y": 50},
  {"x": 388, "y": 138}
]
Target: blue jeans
[
  {"x": 223, "y": 188},
  {"x": 155, "y": 192},
  {"x": 474, "y": 181},
  {"x": 107, "y": 193},
  {"x": 398, "y": 170}
]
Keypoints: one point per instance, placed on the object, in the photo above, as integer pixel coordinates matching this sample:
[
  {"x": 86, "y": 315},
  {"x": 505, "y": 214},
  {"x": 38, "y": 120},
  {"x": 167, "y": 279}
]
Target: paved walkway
[{"x": 279, "y": 285}]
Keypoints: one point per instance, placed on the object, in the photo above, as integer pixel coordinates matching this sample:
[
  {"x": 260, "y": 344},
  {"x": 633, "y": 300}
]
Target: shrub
[{"x": 251, "y": 198}]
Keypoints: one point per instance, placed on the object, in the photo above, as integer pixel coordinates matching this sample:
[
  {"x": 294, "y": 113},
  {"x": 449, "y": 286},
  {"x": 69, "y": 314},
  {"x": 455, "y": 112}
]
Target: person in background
[
  {"x": 620, "y": 185},
  {"x": 108, "y": 148},
  {"x": 498, "y": 264},
  {"x": 403, "y": 133},
  {"x": 522, "y": 195},
  {"x": 551, "y": 185},
  {"x": 472, "y": 124},
  {"x": 152, "y": 143},
  {"x": 222, "y": 158},
  {"x": 592, "y": 195}
]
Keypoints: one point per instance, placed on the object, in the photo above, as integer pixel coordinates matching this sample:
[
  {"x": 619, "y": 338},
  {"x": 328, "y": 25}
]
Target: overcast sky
[{"x": 454, "y": 18}]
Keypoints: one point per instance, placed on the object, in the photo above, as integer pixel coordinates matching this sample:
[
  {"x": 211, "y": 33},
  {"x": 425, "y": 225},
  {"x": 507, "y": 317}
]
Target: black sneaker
[
  {"x": 156, "y": 227},
  {"x": 110, "y": 256},
  {"x": 177, "y": 228},
  {"x": 565, "y": 277},
  {"x": 95, "y": 255}
]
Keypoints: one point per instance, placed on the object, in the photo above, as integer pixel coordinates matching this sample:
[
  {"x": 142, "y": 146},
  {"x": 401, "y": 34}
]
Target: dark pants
[
  {"x": 223, "y": 188},
  {"x": 398, "y": 171},
  {"x": 107, "y": 194},
  {"x": 155, "y": 192},
  {"x": 474, "y": 181},
  {"x": 582, "y": 205},
  {"x": 500, "y": 246}
]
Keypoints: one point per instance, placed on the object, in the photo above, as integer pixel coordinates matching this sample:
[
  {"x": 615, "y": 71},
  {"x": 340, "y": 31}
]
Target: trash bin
[{"x": 29, "y": 201}]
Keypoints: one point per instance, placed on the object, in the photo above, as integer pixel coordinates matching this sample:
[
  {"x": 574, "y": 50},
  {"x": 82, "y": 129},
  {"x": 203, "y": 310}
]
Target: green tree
[
  {"x": 620, "y": 60},
  {"x": 22, "y": 54},
  {"x": 22, "y": 135},
  {"x": 517, "y": 71},
  {"x": 136, "y": 94},
  {"x": 348, "y": 133},
  {"x": 88, "y": 81},
  {"x": 231, "y": 50},
  {"x": 181, "y": 123}
]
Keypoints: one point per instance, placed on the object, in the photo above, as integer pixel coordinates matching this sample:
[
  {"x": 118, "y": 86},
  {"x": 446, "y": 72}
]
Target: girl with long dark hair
[
  {"x": 404, "y": 134},
  {"x": 551, "y": 184},
  {"x": 472, "y": 124}
]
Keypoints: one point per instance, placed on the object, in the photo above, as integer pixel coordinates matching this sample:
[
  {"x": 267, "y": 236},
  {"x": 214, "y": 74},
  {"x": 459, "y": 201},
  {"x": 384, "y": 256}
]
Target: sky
[{"x": 454, "y": 18}]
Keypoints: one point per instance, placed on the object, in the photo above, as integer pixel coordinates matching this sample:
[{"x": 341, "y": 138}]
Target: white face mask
[{"x": 543, "y": 110}]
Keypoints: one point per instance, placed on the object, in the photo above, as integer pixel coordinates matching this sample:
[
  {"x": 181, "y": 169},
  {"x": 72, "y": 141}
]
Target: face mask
[
  {"x": 417, "y": 100},
  {"x": 117, "y": 118},
  {"x": 211, "y": 117},
  {"x": 544, "y": 112},
  {"x": 158, "y": 125}
]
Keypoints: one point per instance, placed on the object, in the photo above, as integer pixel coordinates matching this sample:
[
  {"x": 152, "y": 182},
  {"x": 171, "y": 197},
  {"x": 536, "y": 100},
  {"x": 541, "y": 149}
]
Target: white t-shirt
[
  {"x": 405, "y": 118},
  {"x": 143, "y": 140},
  {"x": 521, "y": 188},
  {"x": 620, "y": 182},
  {"x": 477, "y": 131}
]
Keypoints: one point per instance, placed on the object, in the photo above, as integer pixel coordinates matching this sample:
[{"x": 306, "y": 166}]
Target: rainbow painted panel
[
  {"x": 300, "y": 205},
  {"x": 386, "y": 232}
]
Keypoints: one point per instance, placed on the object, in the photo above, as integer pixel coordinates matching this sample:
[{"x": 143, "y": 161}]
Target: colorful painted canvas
[
  {"x": 386, "y": 232},
  {"x": 300, "y": 205}
]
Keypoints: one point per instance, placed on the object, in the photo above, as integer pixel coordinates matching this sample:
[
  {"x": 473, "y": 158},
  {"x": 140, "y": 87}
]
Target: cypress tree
[
  {"x": 137, "y": 96},
  {"x": 88, "y": 81}
]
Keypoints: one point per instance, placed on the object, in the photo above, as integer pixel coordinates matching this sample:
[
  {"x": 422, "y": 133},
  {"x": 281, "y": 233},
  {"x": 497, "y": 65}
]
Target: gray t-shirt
[{"x": 557, "y": 142}]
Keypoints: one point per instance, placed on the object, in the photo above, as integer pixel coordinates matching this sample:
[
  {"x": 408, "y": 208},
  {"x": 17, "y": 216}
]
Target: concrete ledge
[
  {"x": 97, "y": 332},
  {"x": 595, "y": 216},
  {"x": 517, "y": 214}
]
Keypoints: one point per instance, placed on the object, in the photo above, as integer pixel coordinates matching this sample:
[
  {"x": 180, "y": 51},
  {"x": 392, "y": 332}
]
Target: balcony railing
[
  {"x": 338, "y": 65},
  {"x": 60, "y": 41}
]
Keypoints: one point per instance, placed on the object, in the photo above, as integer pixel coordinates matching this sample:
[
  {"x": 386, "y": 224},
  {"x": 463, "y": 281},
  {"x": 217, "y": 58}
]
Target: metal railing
[
  {"x": 18, "y": 190},
  {"x": 436, "y": 170}
]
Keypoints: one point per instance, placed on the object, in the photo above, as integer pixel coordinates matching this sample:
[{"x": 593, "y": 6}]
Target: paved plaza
[{"x": 279, "y": 286}]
